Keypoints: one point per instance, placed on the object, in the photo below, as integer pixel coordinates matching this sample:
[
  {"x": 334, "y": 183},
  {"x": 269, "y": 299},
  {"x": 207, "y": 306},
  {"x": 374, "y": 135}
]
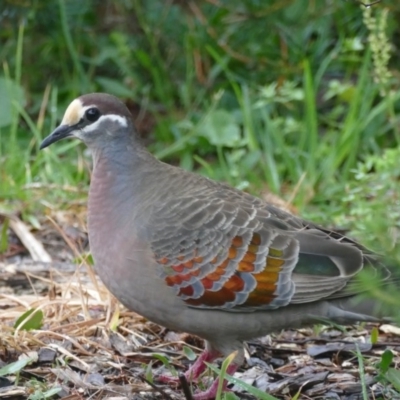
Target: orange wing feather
[{"x": 263, "y": 292}]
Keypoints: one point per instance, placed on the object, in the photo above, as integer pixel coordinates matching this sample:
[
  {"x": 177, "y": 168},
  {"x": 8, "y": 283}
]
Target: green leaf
[
  {"x": 165, "y": 360},
  {"x": 114, "y": 87},
  {"x": 251, "y": 389},
  {"x": 29, "y": 320},
  {"x": 39, "y": 395},
  {"x": 114, "y": 323},
  {"x": 297, "y": 395},
  {"x": 149, "y": 371},
  {"x": 16, "y": 366},
  {"x": 33, "y": 220},
  {"x": 224, "y": 367},
  {"x": 230, "y": 396},
  {"x": 386, "y": 360},
  {"x": 220, "y": 128},
  {"x": 4, "y": 236},
  {"x": 374, "y": 335},
  {"x": 10, "y": 92},
  {"x": 162, "y": 358},
  {"x": 51, "y": 392},
  {"x": 89, "y": 259},
  {"x": 362, "y": 373},
  {"x": 189, "y": 353},
  {"x": 393, "y": 376}
]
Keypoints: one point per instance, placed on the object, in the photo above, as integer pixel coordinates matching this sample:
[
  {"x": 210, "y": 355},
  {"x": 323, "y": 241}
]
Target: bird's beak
[{"x": 61, "y": 132}]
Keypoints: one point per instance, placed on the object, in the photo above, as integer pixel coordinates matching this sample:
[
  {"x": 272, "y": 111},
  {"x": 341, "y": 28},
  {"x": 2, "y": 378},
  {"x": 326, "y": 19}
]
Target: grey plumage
[{"x": 199, "y": 256}]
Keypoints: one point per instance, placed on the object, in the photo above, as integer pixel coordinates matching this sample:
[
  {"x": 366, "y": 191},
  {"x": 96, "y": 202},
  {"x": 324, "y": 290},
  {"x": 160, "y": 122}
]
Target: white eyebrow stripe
[{"x": 113, "y": 117}]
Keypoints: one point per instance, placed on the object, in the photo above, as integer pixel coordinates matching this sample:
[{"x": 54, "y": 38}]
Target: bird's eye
[{"x": 92, "y": 114}]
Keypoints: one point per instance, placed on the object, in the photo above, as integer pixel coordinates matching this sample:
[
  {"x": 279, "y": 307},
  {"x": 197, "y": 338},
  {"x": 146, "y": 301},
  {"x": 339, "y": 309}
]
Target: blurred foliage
[
  {"x": 373, "y": 199},
  {"x": 181, "y": 60}
]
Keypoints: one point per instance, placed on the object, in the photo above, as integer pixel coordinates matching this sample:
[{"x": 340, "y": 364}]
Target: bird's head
[{"x": 95, "y": 118}]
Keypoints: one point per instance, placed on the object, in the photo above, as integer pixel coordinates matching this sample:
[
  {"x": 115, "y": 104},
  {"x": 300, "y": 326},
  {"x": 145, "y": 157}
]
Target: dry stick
[
  {"x": 155, "y": 387},
  {"x": 32, "y": 285},
  {"x": 15, "y": 299},
  {"x": 130, "y": 331},
  {"x": 295, "y": 190},
  {"x": 185, "y": 387},
  {"x": 78, "y": 324},
  {"x": 34, "y": 247},
  {"x": 43, "y": 107},
  {"x": 77, "y": 255},
  {"x": 76, "y": 252},
  {"x": 68, "y": 339}
]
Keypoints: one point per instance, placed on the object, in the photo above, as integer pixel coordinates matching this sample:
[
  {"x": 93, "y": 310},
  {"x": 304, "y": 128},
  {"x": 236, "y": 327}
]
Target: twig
[
  {"x": 185, "y": 387},
  {"x": 155, "y": 387},
  {"x": 34, "y": 247}
]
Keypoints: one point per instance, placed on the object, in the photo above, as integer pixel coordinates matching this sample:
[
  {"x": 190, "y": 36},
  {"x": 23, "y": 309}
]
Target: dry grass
[{"x": 92, "y": 348}]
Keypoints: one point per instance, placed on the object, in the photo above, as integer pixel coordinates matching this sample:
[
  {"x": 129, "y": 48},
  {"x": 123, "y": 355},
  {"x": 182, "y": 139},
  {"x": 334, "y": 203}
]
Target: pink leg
[
  {"x": 195, "y": 370},
  {"x": 211, "y": 392}
]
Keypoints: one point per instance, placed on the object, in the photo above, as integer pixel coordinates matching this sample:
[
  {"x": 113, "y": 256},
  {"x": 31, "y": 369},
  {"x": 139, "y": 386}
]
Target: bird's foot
[
  {"x": 169, "y": 379},
  {"x": 211, "y": 392},
  {"x": 194, "y": 371}
]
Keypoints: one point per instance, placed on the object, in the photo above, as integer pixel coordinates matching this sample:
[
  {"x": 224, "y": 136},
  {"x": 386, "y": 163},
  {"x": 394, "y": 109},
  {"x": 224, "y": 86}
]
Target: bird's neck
[
  {"x": 121, "y": 156},
  {"x": 117, "y": 170},
  {"x": 117, "y": 183}
]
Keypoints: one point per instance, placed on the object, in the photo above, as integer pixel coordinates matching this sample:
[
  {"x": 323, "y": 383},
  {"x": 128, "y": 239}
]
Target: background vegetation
[{"x": 299, "y": 98}]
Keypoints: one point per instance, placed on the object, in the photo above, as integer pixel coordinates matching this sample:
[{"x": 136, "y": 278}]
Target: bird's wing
[{"x": 223, "y": 249}]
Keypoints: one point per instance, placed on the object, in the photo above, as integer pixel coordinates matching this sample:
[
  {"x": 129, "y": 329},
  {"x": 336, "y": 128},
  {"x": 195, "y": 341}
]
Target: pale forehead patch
[{"x": 73, "y": 113}]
